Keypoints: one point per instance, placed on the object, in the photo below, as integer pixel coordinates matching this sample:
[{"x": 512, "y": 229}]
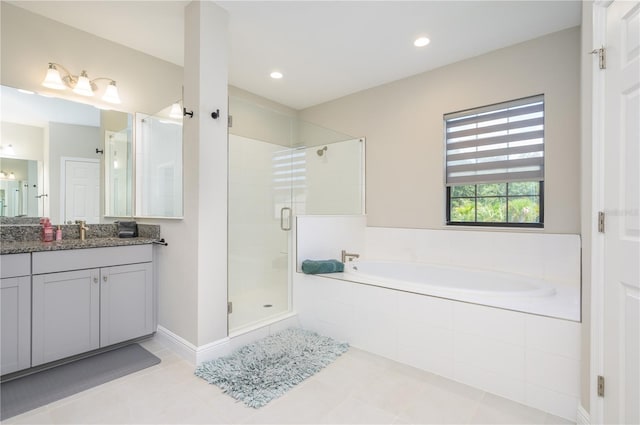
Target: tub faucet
[
  {"x": 348, "y": 257},
  {"x": 83, "y": 229}
]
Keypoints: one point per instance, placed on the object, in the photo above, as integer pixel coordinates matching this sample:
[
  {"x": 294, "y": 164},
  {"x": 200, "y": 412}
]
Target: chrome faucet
[
  {"x": 345, "y": 256},
  {"x": 83, "y": 229}
]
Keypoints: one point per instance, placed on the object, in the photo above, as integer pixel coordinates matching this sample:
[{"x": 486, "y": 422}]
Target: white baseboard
[
  {"x": 245, "y": 336},
  {"x": 583, "y": 417},
  {"x": 177, "y": 344},
  {"x": 213, "y": 350},
  {"x": 224, "y": 346}
]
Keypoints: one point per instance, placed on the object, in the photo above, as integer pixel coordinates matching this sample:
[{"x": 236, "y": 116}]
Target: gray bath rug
[
  {"x": 257, "y": 373},
  {"x": 29, "y": 392}
]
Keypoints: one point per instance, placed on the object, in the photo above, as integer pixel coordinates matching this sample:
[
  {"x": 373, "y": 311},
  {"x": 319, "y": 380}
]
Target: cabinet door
[
  {"x": 126, "y": 303},
  {"x": 66, "y": 314},
  {"x": 15, "y": 324}
]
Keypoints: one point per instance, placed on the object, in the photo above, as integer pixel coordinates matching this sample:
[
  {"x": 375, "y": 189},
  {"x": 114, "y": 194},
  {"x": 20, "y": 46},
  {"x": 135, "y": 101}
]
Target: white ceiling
[{"x": 325, "y": 49}]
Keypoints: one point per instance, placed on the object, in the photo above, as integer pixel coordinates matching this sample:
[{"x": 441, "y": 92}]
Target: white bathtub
[
  {"x": 492, "y": 288},
  {"x": 481, "y": 332}
]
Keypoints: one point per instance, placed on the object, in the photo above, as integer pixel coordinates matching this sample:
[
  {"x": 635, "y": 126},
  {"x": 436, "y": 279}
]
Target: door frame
[
  {"x": 596, "y": 403},
  {"x": 63, "y": 180}
]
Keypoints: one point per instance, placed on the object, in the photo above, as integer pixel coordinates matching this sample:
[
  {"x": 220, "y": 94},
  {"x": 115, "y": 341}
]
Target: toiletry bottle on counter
[
  {"x": 59, "y": 233},
  {"x": 47, "y": 230}
]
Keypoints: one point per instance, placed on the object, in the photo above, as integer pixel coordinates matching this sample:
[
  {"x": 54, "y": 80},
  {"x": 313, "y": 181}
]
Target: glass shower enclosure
[{"x": 279, "y": 167}]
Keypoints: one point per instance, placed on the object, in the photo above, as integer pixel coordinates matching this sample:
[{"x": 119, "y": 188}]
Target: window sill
[{"x": 494, "y": 228}]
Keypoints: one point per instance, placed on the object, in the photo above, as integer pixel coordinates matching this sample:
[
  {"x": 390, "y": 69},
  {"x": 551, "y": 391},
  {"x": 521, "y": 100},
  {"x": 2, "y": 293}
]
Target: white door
[
  {"x": 81, "y": 190},
  {"x": 621, "y": 352}
]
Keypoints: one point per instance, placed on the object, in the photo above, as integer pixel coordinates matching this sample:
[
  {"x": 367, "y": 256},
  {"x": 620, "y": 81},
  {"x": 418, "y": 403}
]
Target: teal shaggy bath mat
[{"x": 257, "y": 373}]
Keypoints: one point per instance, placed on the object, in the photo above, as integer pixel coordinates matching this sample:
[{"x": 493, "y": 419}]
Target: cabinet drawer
[
  {"x": 14, "y": 265},
  {"x": 79, "y": 259}
]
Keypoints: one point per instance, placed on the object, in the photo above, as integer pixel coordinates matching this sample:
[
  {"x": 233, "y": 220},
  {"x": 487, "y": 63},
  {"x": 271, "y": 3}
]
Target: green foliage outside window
[{"x": 517, "y": 202}]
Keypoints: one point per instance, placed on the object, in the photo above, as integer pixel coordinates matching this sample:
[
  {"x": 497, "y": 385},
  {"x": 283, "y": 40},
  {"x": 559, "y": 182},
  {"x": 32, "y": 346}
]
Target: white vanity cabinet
[
  {"x": 126, "y": 303},
  {"x": 15, "y": 312},
  {"x": 66, "y": 314},
  {"x": 90, "y": 298}
]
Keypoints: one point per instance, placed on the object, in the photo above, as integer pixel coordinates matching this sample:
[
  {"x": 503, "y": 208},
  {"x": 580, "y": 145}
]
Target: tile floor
[{"x": 357, "y": 388}]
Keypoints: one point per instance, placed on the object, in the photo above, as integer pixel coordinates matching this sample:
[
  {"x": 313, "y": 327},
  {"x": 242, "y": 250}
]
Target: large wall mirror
[
  {"x": 71, "y": 161},
  {"x": 159, "y": 164},
  {"x": 20, "y": 183}
]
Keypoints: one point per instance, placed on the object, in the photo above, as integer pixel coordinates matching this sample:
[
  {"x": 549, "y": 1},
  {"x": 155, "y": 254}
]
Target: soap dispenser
[{"x": 47, "y": 230}]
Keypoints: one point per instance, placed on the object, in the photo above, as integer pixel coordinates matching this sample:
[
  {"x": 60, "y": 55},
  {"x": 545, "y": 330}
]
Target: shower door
[{"x": 261, "y": 176}]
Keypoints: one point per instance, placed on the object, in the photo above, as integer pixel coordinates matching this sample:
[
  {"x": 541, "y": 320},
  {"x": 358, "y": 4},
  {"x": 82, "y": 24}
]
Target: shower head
[{"x": 321, "y": 152}]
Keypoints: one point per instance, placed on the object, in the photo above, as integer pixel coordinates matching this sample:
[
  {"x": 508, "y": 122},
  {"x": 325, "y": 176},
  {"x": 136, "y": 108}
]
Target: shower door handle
[{"x": 285, "y": 217}]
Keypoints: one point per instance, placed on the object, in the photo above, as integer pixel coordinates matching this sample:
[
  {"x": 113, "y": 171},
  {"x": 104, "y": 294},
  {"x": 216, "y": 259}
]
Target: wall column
[{"x": 205, "y": 157}]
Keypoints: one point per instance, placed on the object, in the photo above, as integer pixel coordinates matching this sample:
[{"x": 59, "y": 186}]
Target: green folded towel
[{"x": 322, "y": 266}]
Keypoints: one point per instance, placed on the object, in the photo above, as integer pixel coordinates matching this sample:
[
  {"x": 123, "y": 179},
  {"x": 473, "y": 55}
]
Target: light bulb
[
  {"x": 8, "y": 150},
  {"x": 421, "y": 41},
  {"x": 111, "y": 93},
  {"x": 53, "y": 79},
  {"x": 83, "y": 85}
]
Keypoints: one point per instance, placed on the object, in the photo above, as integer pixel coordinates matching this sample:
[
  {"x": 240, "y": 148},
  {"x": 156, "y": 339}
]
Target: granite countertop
[
  {"x": 25, "y": 238},
  {"x": 36, "y": 246}
]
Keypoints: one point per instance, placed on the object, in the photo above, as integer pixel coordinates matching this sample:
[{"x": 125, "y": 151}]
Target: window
[{"x": 495, "y": 164}]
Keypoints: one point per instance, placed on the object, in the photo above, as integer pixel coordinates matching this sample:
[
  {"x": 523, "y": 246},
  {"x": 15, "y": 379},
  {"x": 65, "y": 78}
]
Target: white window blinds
[{"x": 497, "y": 143}]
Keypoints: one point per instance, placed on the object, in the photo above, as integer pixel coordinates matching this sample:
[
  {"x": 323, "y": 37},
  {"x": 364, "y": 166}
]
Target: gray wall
[
  {"x": 402, "y": 122},
  {"x": 29, "y": 138},
  {"x": 29, "y": 42}
]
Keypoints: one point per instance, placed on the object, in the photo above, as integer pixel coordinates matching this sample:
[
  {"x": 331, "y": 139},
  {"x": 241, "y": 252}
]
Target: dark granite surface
[
  {"x": 16, "y": 239},
  {"x": 37, "y": 246}
]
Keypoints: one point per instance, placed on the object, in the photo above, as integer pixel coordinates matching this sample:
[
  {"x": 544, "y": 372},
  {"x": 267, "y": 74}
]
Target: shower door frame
[{"x": 263, "y": 320}]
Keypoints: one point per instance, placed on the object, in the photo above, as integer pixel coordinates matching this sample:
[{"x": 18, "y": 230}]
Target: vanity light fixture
[
  {"x": 8, "y": 150},
  {"x": 80, "y": 84},
  {"x": 421, "y": 41},
  {"x": 111, "y": 93},
  {"x": 83, "y": 85}
]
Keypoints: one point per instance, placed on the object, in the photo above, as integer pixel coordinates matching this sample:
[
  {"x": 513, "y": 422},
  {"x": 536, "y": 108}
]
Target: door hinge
[
  {"x": 229, "y": 121},
  {"x": 601, "y": 221},
  {"x": 600, "y": 386},
  {"x": 229, "y": 307},
  {"x": 602, "y": 57}
]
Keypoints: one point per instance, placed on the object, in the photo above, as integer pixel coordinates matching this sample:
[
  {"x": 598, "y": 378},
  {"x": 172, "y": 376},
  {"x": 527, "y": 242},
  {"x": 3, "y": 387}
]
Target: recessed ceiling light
[
  {"x": 421, "y": 41},
  {"x": 276, "y": 75}
]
